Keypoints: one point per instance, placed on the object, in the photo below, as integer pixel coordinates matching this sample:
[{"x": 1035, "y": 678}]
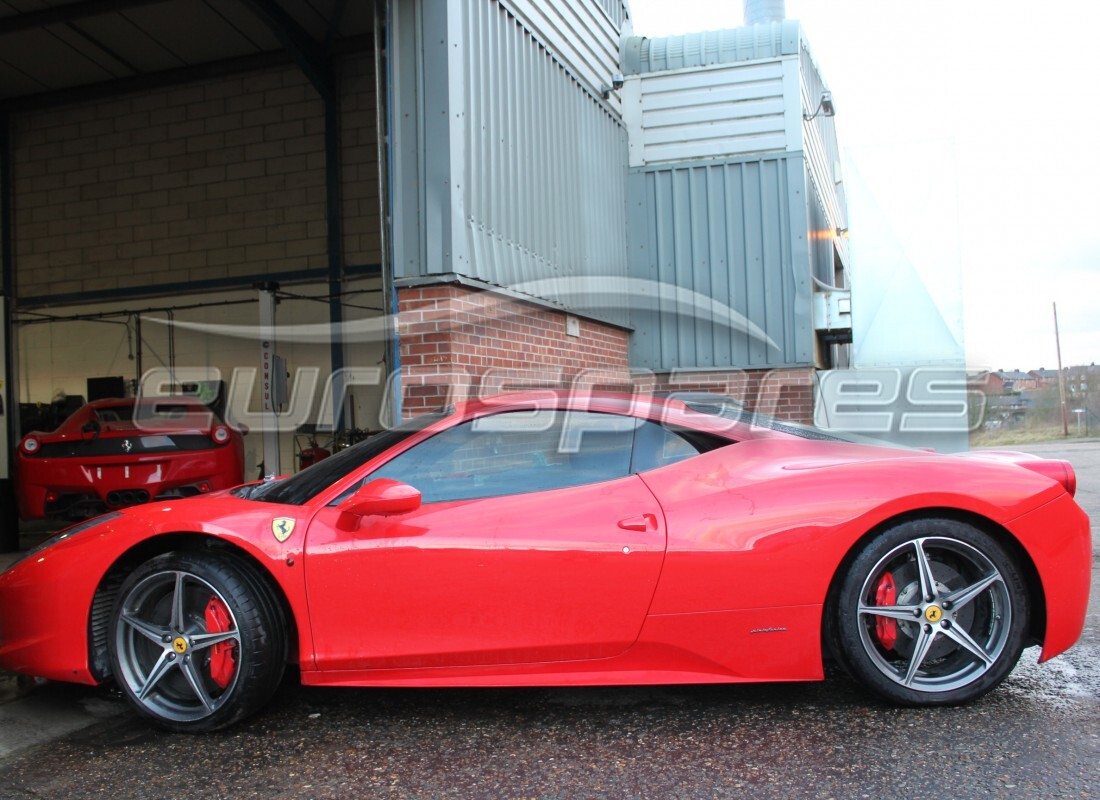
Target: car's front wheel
[
  {"x": 197, "y": 641},
  {"x": 931, "y": 612}
]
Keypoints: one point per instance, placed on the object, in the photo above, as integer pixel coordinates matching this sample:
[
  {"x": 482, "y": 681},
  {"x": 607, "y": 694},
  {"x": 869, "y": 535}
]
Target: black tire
[
  {"x": 964, "y": 626},
  {"x": 171, "y": 666}
]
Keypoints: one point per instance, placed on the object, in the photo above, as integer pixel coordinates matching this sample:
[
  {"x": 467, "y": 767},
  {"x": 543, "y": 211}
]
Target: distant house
[
  {"x": 1080, "y": 380},
  {"x": 1015, "y": 381},
  {"x": 989, "y": 383},
  {"x": 1044, "y": 377}
]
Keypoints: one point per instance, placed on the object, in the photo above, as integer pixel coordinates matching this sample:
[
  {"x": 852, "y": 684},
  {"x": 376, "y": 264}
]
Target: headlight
[{"x": 68, "y": 533}]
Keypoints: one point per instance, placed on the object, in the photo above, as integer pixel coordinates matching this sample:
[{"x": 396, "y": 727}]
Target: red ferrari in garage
[
  {"x": 544, "y": 540},
  {"x": 115, "y": 453}
]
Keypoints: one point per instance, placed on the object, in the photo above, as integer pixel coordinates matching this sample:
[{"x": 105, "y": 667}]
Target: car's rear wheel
[
  {"x": 931, "y": 612},
  {"x": 197, "y": 642}
]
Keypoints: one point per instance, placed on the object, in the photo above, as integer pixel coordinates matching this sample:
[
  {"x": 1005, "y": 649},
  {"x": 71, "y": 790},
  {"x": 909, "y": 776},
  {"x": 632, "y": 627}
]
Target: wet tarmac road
[{"x": 1036, "y": 736}]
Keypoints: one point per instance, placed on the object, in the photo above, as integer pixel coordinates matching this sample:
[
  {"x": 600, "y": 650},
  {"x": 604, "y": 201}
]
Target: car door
[{"x": 534, "y": 543}]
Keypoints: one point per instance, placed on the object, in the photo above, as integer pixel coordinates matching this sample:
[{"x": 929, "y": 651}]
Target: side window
[
  {"x": 516, "y": 453},
  {"x": 656, "y": 446}
]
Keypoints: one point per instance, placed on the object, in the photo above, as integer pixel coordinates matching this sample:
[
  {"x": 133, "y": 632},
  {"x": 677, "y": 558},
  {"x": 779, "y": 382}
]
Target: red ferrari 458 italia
[
  {"x": 115, "y": 453},
  {"x": 542, "y": 540}
]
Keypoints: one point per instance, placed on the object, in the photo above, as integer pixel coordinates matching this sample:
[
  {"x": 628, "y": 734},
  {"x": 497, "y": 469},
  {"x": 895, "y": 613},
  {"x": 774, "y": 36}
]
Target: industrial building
[{"x": 399, "y": 203}]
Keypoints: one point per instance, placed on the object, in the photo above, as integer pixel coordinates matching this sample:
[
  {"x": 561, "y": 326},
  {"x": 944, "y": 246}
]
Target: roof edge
[{"x": 659, "y": 54}]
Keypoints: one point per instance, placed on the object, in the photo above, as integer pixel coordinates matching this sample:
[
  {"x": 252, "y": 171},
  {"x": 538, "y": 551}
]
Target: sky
[{"x": 969, "y": 131}]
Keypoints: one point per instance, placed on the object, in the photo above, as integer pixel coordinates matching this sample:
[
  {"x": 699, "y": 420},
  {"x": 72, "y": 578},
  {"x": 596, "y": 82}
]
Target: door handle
[{"x": 642, "y": 522}]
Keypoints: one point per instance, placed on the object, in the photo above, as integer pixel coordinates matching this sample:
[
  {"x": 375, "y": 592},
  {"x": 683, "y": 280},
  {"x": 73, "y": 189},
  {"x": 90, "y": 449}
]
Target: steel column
[
  {"x": 383, "y": 88},
  {"x": 268, "y": 381},
  {"x": 334, "y": 211},
  {"x": 9, "y": 517}
]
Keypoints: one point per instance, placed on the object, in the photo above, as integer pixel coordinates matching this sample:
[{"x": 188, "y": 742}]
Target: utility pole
[{"x": 1061, "y": 376}]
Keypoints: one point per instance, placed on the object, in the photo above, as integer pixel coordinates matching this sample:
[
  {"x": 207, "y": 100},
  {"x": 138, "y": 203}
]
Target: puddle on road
[{"x": 1066, "y": 681}]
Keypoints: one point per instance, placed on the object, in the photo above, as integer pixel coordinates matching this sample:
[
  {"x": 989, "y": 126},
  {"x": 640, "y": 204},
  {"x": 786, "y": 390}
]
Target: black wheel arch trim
[
  {"x": 99, "y": 615},
  {"x": 1036, "y": 595}
]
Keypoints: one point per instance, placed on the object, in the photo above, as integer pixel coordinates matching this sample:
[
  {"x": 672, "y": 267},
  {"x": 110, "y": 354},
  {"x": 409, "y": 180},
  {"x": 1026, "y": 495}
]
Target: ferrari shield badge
[{"x": 282, "y": 527}]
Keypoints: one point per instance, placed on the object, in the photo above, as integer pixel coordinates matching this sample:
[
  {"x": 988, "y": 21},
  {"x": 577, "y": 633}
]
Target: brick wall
[
  {"x": 459, "y": 342},
  {"x": 196, "y": 182},
  {"x": 785, "y": 393}
]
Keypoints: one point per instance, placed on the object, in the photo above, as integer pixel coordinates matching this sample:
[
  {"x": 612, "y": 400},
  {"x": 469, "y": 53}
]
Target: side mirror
[
  {"x": 90, "y": 430},
  {"x": 382, "y": 496}
]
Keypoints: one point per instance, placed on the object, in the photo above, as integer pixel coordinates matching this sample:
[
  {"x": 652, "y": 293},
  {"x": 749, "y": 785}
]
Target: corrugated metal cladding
[
  {"x": 544, "y": 187},
  {"x": 707, "y": 112},
  {"x": 616, "y": 11},
  {"x": 711, "y": 47},
  {"x": 720, "y": 249},
  {"x": 582, "y": 35},
  {"x": 822, "y": 151},
  {"x": 822, "y": 236},
  {"x": 732, "y": 92}
]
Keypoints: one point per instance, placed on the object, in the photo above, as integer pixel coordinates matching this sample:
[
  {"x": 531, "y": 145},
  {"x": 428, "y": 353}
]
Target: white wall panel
[{"x": 726, "y": 110}]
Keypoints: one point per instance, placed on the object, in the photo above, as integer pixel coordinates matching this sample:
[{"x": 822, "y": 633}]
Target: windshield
[{"x": 310, "y": 482}]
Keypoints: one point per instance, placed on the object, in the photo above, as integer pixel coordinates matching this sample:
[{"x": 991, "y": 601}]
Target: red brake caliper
[
  {"x": 886, "y": 595},
  {"x": 223, "y": 660}
]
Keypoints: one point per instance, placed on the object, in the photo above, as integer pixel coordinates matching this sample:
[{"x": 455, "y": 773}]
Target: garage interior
[
  {"x": 423, "y": 199},
  {"x": 160, "y": 160}
]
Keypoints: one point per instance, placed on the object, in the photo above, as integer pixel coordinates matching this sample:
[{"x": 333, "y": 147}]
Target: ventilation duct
[{"x": 762, "y": 11}]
